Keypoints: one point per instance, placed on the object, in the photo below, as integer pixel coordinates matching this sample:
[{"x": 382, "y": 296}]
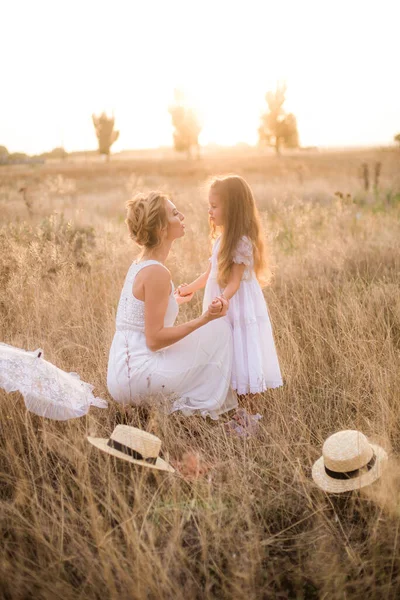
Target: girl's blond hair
[
  {"x": 240, "y": 218},
  {"x": 146, "y": 218}
]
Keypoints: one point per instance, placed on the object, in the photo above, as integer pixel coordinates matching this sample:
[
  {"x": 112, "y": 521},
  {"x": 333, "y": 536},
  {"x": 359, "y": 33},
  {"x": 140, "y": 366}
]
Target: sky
[{"x": 62, "y": 61}]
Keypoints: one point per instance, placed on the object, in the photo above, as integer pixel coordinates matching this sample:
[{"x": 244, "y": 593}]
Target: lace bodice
[
  {"x": 130, "y": 312},
  {"x": 243, "y": 255}
]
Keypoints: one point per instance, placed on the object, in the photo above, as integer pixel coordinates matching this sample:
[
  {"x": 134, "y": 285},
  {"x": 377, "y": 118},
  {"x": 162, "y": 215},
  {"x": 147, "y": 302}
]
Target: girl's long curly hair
[{"x": 240, "y": 218}]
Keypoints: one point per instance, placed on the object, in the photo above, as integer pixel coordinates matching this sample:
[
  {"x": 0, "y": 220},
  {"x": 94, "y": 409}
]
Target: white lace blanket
[{"x": 47, "y": 390}]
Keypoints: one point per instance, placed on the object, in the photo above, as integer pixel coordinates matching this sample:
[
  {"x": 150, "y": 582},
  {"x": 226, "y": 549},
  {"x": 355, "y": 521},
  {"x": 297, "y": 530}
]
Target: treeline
[
  {"x": 20, "y": 157},
  {"x": 277, "y": 129}
]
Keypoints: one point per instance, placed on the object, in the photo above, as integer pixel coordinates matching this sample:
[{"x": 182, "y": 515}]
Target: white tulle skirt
[
  {"x": 255, "y": 365},
  {"x": 193, "y": 375}
]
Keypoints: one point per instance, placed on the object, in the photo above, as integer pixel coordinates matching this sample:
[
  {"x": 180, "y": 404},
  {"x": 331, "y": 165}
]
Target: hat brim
[
  {"x": 102, "y": 444},
  {"x": 337, "y": 486}
]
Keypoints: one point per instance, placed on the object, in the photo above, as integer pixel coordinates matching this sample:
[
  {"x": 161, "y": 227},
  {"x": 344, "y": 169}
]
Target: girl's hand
[
  {"x": 182, "y": 299},
  {"x": 184, "y": 290}
]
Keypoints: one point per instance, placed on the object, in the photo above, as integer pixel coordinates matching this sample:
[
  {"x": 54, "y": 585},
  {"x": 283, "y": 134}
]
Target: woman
[{"x": 151, "y": 358}]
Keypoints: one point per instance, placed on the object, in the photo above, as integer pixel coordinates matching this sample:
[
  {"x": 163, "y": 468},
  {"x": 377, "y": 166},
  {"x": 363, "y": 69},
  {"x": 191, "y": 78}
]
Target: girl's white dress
[
  {"x": 192, "y": 375},
  {"x": 255, "y": 365}
]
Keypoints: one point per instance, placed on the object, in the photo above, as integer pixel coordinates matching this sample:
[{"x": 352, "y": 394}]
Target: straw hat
[
  {"x": 135, "y": 446},
  {"x": 348, "y": 462}
]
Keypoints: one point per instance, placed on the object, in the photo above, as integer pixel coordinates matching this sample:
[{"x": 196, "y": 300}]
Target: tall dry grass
[{"x": 78, "y": 524}]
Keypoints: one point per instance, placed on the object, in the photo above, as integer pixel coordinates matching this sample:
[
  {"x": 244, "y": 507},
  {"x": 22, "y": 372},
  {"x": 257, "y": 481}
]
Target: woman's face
[
  {"x": 215, "y": 209},
  {"x": 176, "y": 228}
]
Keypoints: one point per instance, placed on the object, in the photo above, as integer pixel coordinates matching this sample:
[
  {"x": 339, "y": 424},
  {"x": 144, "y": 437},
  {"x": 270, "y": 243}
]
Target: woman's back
[{"x": 130, "y": 311}]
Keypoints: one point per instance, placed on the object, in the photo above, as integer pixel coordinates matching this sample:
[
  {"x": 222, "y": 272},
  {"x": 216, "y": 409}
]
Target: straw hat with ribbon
[
  {"x": 348, "y": 462},
  {"x": 135, "y": 446}
]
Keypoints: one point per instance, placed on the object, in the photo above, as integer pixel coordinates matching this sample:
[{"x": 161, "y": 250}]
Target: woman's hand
[
  {"x": 218, "y": 308},
  {"x": 182, "y": 299}
]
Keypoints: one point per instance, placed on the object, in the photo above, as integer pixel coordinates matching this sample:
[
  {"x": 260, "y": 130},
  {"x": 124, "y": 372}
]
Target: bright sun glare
[{"x": 63, "y": 64}]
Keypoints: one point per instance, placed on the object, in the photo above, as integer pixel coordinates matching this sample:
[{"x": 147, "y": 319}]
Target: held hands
[{"x": 218, "y": 308}]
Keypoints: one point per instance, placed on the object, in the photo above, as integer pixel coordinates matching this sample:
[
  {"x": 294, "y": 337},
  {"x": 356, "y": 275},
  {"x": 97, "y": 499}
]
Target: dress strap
[{"x": 138, "y": 266}]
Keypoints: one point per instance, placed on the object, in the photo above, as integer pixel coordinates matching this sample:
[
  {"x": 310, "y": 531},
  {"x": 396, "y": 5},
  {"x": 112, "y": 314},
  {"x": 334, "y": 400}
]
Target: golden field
[{"x": 250, "y": 523}]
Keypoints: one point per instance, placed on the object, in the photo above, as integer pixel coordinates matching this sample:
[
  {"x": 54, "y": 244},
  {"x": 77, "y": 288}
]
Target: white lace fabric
[
  {"x": 244, "y": 252},
  {"x": 47, "y": 390}
]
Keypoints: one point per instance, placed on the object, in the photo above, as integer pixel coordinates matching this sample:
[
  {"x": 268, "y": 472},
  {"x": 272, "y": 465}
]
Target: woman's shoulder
[
  {"x": 152, "y": 270},
  {"x": 148, "y": 264},
  {"x": 159, "y": 268}
]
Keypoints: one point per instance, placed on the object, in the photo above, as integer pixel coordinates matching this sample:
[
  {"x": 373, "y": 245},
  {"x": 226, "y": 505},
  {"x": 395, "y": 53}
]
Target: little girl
[{"x": 236, "y": 266}]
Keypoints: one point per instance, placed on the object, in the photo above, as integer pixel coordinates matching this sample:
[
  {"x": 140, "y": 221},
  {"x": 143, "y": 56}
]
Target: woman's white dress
[
  {"x": 192, "y": 375},
  {"x": 255, "y": 365}
]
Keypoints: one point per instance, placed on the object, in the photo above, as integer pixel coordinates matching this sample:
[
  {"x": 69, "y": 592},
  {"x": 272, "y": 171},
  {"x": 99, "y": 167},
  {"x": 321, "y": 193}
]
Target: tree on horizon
[
  {"x": 186, "y": 125},
  {"x": 397, "y": 138},
  {"x": 105, "y": 132},
  {"x": 277, "y": 127}
]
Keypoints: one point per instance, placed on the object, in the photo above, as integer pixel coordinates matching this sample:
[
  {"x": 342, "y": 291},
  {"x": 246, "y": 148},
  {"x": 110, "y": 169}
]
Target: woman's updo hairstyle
[{"x": 146, "y": 217}]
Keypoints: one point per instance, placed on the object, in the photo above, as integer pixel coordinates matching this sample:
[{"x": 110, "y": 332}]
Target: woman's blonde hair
[
  {"x": 240, "y": 217},
  {"x": 147, "y": 218}
]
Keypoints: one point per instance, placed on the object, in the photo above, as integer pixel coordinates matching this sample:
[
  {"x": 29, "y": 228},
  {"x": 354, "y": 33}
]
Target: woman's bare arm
[{"x": 157, "y": 288}]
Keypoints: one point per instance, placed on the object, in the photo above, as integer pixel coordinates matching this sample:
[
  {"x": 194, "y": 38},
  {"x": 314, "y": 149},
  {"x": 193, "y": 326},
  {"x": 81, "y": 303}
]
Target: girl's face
[
  {"x": 215, "y": 209},
  {"x": 176, "y": 228}
]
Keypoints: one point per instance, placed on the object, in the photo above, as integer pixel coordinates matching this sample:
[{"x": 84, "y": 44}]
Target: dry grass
[{"x": 75, "y": 523}]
